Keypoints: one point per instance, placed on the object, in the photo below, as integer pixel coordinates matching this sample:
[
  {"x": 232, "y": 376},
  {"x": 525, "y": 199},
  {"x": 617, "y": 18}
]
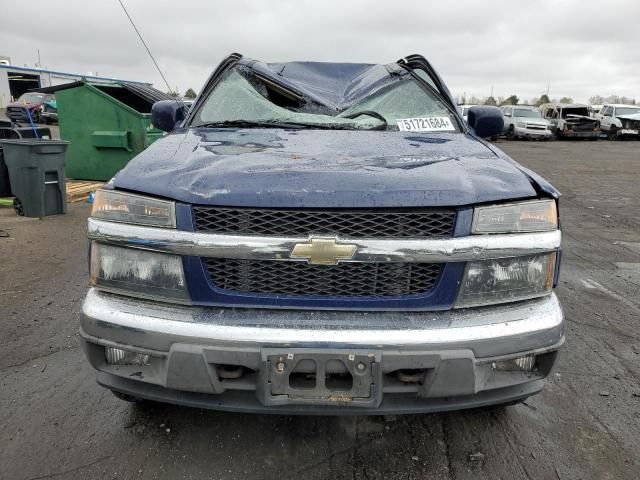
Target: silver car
[{"x": 525, "y": 122}]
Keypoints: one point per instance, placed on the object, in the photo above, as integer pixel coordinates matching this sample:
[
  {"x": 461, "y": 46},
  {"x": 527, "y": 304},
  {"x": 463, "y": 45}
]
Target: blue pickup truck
[{"x": 324, "y": 238}]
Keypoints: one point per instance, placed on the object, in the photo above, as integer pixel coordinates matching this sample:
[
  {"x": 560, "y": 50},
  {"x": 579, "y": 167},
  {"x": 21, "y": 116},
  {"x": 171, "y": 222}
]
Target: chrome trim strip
[
  {"x": 430, "y": 250},
  {"x": 495, "y": 330}
]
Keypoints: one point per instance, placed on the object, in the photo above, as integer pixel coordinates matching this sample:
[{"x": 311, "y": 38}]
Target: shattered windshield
[
  {"x": 527, "y": 113},
  {"x": 31, "y": 97},
  {"x": 243, "y": 99}
]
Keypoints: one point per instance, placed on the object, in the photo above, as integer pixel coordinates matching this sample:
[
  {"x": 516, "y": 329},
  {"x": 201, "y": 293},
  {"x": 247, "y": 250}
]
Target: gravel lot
[{"x": 57, "y": 423}]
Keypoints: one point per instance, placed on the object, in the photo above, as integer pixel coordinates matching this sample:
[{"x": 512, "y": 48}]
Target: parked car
[
  {"x": 525, "y": 122},
  {"x": 464, "y": 110},
  {"x": 594, "y": 109},
  {"x": 31, "y": 101},
  {"x": 50, "y": 110},
  {"x": 324, "y": 238},
  {"x": 571, "y": 120},
  {"x": 620, "y": 121}
]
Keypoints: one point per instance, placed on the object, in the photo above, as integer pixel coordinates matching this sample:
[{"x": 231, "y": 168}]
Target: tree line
[{"x": 515, "y": 100}]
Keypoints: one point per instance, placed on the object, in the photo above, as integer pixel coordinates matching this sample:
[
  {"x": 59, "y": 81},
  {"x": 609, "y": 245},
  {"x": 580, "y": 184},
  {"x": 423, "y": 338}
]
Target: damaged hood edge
[{"x": 324, "y": 169}]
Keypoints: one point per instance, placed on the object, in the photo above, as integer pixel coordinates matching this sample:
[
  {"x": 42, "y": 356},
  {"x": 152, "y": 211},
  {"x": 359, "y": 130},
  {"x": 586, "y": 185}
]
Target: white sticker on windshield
[{"x": 426, "y": 124}]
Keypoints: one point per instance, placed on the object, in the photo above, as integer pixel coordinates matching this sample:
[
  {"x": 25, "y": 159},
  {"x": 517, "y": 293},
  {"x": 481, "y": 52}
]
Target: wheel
[
  {"x": 613, "y": 133},
  {"x": 557, "y": 134},
  {"x": 17, "y": 206},
  {"x": 511, "y": 132},
  {"x": 127, "y": 398}
]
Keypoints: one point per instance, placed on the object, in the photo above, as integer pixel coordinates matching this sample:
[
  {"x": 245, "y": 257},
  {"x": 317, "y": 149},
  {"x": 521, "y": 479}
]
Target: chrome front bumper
[
  {"x": 187, "y": 345},
  {"x": 532, "y": 133}
]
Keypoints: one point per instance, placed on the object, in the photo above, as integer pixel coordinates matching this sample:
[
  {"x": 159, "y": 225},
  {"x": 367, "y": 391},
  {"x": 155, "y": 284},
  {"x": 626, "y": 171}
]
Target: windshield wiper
[
  {"x": 278, "y": 124},
  {"x": 371, "y": 113},
  {"x": 249, "y": 124}
]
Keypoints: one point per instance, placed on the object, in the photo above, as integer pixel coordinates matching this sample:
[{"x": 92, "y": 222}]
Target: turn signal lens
[
  {"x": 531, "y": 216},
  {"x": 520, "y": 364},
  {"x": 117, "y": 356},
  {"x": 124, "y": 207}
]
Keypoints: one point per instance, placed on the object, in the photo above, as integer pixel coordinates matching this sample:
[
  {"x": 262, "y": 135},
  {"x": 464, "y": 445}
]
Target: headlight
[
  {"x": 129, "y": 208},
  {"x": 520, "y": 124},
  {"x": 138, "y": 272},
  {"x": 533, "y": 216},
  {"x": 506, "y": 280}
]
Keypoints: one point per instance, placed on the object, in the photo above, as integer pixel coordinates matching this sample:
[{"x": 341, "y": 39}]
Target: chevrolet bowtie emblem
[{"x": 323, "y": 251}]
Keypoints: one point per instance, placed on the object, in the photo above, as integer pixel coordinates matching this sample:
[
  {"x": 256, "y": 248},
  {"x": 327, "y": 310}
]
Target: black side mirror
[
  {"x": 167, "y": 114},
  {"x": 486, "y": 121}
]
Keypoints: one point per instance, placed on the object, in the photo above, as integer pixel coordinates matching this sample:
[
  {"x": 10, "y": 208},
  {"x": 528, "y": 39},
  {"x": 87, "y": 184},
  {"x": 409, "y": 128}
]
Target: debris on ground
[{"x": 476, "y": 459}]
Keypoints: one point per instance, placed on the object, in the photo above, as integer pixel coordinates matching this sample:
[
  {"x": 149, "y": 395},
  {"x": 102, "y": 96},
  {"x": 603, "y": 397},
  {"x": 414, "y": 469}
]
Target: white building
[{"x": 14, "y": 81}]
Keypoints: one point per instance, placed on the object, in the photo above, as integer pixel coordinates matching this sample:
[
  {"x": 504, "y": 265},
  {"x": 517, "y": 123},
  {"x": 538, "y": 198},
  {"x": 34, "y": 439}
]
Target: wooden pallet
[{"x": 79, "y": 190}]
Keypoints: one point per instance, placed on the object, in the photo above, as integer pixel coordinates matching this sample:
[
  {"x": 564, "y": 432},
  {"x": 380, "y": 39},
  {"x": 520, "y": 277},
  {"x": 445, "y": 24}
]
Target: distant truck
[
  {"x": 571, "y": 120},
  {"x": 34, "y": 103},
  {"x": 464, "y": 111},
  {"x": 619, "y": 121},
  {"x": 522, "y": 121}
]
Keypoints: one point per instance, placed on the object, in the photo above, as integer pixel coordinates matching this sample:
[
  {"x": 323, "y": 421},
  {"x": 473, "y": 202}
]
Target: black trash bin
[
  {"x": 36, "y": 172},
  {"x": 5, "y": 185},
  {"x": 10, "y": 133}
]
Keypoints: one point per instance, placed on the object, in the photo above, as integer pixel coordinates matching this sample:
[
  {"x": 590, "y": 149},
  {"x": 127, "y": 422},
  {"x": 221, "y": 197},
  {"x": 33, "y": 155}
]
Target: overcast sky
[{"x": 581, "y": 47}]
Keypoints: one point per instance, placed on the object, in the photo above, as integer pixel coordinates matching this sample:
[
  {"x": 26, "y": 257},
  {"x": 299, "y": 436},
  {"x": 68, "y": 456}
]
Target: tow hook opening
[
  {"x": 232, "y": 372},
  {"x": 411, "y": 375}
]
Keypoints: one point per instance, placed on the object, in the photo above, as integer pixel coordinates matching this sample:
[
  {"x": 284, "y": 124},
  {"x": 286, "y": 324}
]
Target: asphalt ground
[{"x": 57, "y": 423}]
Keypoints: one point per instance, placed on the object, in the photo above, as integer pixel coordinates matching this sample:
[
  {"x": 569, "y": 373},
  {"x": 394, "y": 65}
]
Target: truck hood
[
  {"x": 29, "y": 105},
  {"x": 631, "y": 116},
  {"x": 324, "y": 168},
  {"x": 579, "y": 119}
]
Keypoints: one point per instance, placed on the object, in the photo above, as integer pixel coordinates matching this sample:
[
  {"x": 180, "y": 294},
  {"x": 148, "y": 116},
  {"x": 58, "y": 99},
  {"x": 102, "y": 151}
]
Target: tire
[
  {"x": 17, "y": 206},
  {"x": 613, "y": 133},
  {"x": 511, "y": 132},
  {"x": 127, "y": 398},
  {"x": 557, "y": 134}
]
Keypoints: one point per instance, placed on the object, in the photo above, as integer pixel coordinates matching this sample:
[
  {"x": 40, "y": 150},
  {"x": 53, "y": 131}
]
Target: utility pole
[
  {"x": 39, "y": 63},
  {"x": 548, "y": 87}
]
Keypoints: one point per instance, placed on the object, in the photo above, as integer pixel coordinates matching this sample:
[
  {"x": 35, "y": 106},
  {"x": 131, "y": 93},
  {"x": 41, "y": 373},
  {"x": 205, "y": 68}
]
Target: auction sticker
[{"x": 425, "y": 124}]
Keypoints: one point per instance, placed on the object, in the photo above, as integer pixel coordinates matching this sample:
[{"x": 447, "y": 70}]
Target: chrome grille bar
[{"x": 428, "y": 250}]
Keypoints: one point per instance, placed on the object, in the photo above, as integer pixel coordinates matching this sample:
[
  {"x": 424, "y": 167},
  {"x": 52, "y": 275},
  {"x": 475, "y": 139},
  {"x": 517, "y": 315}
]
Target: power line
[{"x": 145, "y": 44}]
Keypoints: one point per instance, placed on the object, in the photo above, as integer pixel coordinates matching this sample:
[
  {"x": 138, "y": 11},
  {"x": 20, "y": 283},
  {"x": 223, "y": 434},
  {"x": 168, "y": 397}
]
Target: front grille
[
  {"x": 351, "y": 223},
  {"x": 341, "y": 280}
]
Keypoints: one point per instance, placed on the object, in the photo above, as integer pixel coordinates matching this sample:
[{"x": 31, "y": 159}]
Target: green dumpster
[
  {"x": 36, "y": 172},
  {"x": 107, "y": 125}
]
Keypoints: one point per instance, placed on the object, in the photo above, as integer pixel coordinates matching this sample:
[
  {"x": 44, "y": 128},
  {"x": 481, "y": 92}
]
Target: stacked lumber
[{"x": 79, "y": 190}]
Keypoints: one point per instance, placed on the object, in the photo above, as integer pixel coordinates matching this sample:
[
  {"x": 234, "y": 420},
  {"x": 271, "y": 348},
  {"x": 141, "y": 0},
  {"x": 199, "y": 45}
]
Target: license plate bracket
[{"x": 320, "y": 377}]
